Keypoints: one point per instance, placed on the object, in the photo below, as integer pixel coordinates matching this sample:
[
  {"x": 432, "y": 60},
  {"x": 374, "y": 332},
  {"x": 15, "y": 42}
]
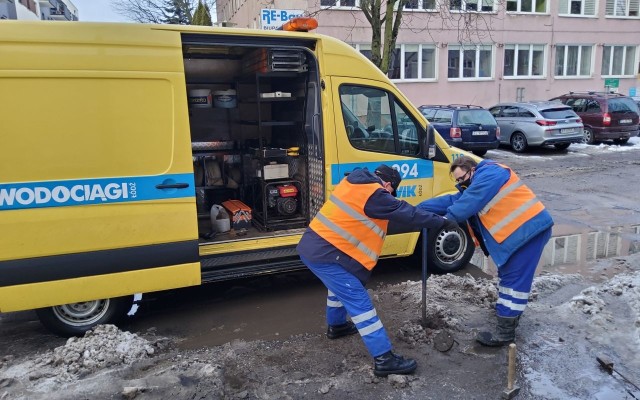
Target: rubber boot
[
  {"x": 505, "y": 333},
  {"x": 338, "y": 331},
  {"x": 389, "y": 363}
]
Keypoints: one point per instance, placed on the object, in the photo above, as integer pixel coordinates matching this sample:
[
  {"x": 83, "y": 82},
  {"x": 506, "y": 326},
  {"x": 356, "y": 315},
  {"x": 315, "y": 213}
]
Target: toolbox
[{"x": 240, "y": 214}]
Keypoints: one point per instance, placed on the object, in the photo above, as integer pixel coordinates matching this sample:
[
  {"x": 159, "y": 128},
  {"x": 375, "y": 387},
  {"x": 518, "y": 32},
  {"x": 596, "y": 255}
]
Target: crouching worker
[
  {"x": 342, "y": 245},
  {"x": 511, "y": 225}
]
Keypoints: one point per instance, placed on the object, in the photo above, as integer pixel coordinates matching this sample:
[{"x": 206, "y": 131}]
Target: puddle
[{"x": 573, "y": 252}]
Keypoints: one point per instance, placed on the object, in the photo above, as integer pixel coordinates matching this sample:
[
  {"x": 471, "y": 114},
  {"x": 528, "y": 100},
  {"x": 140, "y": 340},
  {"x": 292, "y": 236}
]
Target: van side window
[
  {"x": 592, "y": 106},
  {"x": 374, "y": 121}
]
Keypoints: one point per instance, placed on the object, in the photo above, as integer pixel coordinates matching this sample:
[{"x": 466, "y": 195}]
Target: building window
[
  {"x": 418, "y": 61},
  {"x": 573, "y": 60},
  {"x": 470, "y": 62},
  {"x": 527, "y": 6},
  {"x": 622, "y": 8},
  {"x": 618, "y": 60},
  {"x": 411, "y": 5},
  {"x": 339, "y": 3},
  {"x": 577, "y": 7},
  {"x": 524, "y": 60},
  {"x": 408, "y": 61},
  {"x": 471, "y": 5}
]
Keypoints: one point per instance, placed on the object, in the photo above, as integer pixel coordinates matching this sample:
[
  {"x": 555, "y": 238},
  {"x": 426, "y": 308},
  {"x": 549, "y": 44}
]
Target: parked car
[
  {"x": 606, "y": 116},
  {"x": 467, "y": 127},
  {"x": 525, "y": 124}
]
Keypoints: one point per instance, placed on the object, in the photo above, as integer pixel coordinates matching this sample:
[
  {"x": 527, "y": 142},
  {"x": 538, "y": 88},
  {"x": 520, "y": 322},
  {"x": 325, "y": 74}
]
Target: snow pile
[
  {"x": 549, "y": 283},
  {"x": 590, "y": 300},
  {"x": 104, "y": 346}
]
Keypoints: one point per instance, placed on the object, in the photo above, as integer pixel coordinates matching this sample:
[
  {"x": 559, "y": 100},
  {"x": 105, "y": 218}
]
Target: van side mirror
[{"x": 430, "y": 143}]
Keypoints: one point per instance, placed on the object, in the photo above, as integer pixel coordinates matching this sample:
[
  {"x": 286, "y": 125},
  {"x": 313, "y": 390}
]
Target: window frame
[
  {"x": 627, "y": 3},
  {"x": 578, "y": 61},
  {"x": 567, "y": 12},
  {"x": 464, "y": 4},
  {"x": 420, "y": 6},
  {"x": 529, "y": 75},
  {"x": 547, "y": 4},
  {"x": 612, "y": 59},
  {"x": 338, "y": 5},
  {"x": 478, "y": 49},
  {"x": 393, "y": 104},
  {"x": 421, "y": 46}
]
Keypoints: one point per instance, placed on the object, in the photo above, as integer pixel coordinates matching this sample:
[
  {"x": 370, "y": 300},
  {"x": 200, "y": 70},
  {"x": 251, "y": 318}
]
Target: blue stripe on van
[
  {"x": 409, "y": 169},
  {"x": 24, "y": 195}
]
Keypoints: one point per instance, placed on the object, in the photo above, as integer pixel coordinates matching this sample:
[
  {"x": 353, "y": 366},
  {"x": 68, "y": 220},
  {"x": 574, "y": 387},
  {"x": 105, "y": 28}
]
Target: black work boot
[
  {"x": 505, "y": 333},
  {"x": 337, "y": 331},
  {"x": 389, "y": 363}
]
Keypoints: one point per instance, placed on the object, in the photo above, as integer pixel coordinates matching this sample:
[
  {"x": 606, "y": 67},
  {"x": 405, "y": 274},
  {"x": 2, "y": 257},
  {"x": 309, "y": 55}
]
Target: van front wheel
[
  {"x": 74, "y": 319},
  {"x": 449, "y": 250}
]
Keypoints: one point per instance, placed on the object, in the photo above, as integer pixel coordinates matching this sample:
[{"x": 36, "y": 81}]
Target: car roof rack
[
  {"x": 451, "y": 106},
  {"x": 598, "y": 92}
]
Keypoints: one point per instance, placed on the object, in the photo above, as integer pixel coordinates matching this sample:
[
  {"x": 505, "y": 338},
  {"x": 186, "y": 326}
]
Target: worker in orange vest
[
  {"x": 509, "y": 223},
  {"x": 341, "y": 246}
]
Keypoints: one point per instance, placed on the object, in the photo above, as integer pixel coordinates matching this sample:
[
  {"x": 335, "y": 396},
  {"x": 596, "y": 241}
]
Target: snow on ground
[
  {"x": 104, "y": 347},
  {"x": 577, "y": 149}
]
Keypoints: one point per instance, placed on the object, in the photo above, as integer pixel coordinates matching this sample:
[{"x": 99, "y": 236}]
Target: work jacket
[
  {"x": 503, "y": 211},
  {"x": 351, "y": 227},
  {"x": 343, "y": 222}
]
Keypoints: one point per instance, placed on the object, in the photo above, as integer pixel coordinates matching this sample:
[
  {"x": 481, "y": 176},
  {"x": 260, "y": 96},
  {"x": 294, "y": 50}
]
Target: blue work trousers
[
  {"x": 516, "y": 276},
  {"x": 347, "y": 295}
]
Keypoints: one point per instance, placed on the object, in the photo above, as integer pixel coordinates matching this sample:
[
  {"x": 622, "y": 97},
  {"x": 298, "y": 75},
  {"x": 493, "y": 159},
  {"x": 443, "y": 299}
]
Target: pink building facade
[{"x": 483, "y": 52}]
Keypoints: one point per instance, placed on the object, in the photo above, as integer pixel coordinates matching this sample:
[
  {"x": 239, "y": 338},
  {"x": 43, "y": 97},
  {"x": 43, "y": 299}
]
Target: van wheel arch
[{"x": 74, "y": 319}]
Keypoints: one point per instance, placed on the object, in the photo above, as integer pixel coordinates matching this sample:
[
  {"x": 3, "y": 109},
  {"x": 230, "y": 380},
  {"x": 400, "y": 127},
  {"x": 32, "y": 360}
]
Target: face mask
[{"x": 465, "y": 184}]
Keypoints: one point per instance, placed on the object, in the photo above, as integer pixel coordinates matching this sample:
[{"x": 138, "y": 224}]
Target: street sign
[{"x": 612, "y": 83}]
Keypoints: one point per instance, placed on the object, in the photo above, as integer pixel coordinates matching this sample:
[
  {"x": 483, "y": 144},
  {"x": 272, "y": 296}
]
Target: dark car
[
  {"x": 605, "y": 116},
  {"x": 467, "y": 127}
]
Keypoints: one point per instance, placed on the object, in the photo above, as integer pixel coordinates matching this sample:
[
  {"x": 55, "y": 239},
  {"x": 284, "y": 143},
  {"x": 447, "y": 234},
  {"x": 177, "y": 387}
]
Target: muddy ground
[{"x": 571, "y": 319}]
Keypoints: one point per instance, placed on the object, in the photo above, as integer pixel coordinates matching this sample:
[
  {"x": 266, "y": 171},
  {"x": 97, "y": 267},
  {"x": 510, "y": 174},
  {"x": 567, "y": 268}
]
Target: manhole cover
[{"x": 443, "y": 341}]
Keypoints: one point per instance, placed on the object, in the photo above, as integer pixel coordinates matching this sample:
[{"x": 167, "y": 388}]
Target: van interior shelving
[{"x": 253, "y": 147}]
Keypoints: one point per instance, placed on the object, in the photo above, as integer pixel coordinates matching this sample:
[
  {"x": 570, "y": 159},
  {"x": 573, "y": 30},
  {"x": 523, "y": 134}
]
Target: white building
[
  {"x": 56, "y": 10},
  {"x": 510, "y": 49}
]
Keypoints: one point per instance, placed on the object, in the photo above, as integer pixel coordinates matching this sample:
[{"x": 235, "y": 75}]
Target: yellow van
[{"x": 138, "y": 158}]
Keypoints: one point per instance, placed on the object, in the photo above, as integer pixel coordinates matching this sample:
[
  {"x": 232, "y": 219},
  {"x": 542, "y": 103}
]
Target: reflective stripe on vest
[
  {"x": 342, "y": 222},
  {"x": 510, "y": 208}
]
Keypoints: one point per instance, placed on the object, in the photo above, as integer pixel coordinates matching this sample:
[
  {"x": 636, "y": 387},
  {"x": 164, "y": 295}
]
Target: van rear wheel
[
  {"x": 449, "y": 250},
  {"x": 74, "y": 319}
]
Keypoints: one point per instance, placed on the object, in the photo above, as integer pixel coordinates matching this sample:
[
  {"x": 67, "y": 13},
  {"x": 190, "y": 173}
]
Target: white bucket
[
  {"x": 224, "y": 98},
  {"x": 220, "y": 219},
  {"x": 200, "y": 98}
]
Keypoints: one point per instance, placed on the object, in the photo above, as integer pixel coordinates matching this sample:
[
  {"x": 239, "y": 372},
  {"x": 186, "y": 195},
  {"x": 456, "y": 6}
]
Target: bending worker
[
  {"x": 341, "y": 246},
  {"x": 511, "y": 225}
]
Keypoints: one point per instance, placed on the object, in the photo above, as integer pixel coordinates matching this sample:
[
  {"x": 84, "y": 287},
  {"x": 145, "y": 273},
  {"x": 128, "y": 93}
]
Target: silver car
[{"x": 539, "y": 123}]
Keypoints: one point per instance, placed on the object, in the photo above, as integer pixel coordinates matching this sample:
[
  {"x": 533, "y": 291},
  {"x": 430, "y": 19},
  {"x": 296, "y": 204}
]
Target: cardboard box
[{"x": 240, "y": 214}]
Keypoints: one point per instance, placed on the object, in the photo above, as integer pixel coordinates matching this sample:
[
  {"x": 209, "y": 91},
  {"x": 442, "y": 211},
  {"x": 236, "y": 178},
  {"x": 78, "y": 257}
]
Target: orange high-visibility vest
[
  {"x": 510, "y": 208},
  {"x": 342, "y": 222}
]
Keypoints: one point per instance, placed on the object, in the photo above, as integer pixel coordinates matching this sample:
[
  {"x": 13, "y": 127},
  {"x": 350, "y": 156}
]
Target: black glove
[{"x": 449, "y": 224}]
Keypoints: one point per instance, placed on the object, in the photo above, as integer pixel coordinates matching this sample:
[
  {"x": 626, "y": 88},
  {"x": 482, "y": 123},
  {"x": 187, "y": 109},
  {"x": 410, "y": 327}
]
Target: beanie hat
[{"x": 390, "y": 175}]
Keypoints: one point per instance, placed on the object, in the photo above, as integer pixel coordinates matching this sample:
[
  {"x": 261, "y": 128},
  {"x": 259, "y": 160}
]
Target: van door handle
[{"x": 172, "y": 186}]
